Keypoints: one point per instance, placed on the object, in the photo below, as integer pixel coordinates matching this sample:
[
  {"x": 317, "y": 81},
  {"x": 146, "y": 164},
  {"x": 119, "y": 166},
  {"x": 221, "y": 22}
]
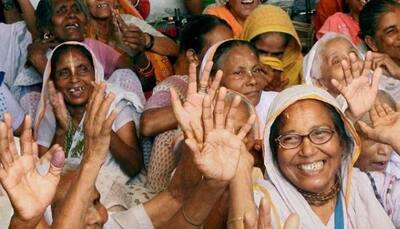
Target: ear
[
  {"x": 192, "y": 57},
  {"x": 371, "y": 43}
]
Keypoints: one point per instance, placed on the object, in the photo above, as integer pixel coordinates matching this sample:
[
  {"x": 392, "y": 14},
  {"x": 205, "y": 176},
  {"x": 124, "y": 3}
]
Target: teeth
[
  {"x": 74, "y": 26},
  {"x": 312, "y": 167},
  {"x": 247, "y": 1},
  {"x": 102, "y": 5},
  {"x": 78, "y": 89}
]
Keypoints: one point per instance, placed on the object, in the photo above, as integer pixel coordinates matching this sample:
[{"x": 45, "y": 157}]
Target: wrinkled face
[
  {"x": 332, "y": 55},
  {"x": 96, "y": 215},
  {"x": 100, "y": 9},
  {"x": 309, "y": 167},
  {"x": 243, "y": 73},
  {"x": 218, "y": 34},
  {"x": 387, "y": 37},
  {"x": 68, "y": 20},
  {"x": 374, "y": 155},
  {"x": 271, "y": 44},
  {"x": 73, "y": 76},
  {"x": 241, "y": 9},
  {"x": 356, "y": 5}
]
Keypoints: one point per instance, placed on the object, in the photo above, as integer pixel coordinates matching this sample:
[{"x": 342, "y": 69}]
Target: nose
[
  {"x": 74, "y": 78},
  {"x": 308, "y": 148},
  {"x": 384, "y": 150},
  {"x": 71, "y": 13},
  {"x": 252, "y": 78}
]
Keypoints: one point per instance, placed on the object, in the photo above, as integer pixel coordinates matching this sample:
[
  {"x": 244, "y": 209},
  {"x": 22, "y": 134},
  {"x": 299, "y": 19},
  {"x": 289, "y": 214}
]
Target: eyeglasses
[{"x": 317, "y": 136}]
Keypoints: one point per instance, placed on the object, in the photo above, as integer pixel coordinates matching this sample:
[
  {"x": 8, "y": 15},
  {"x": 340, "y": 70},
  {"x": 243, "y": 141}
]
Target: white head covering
[{"x": 361, "y": 208}]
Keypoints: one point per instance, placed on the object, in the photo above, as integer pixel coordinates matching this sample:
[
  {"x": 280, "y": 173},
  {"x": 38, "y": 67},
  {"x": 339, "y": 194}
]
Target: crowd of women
[{"x": 105, "y": 122}]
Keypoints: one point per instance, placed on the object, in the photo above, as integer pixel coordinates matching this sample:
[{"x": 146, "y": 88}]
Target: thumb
[
  {"x": 337, "y": 85},
  {"x": 292, "y": 222},
  {"x": 56, "y": 164}
]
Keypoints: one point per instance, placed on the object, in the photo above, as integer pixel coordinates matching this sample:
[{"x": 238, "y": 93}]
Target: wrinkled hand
[
  {"x": 386, "y": 63},
  {"x": 30, "y": 193},
  {"x": 37, "y": 52},
  {"x": 264, "y": 218},
  {"x": 191, "y": 110},
  {"x": 97, "y": 126},
  {"x": 385, "y": 125},
  {"x": 275, "y": 80},
  {"x": 219, "y": 157},
  {"x": 59, "y": 108},
  {"x": 359, "y": 93}
]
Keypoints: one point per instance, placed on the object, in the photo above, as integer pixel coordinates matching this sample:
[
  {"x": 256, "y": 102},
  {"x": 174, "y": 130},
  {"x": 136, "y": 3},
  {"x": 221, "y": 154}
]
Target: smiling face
[
  {"x": 100, "y": 9},
  {"x": 309, "y": 166},
  {"x": 243, "y": 73},
  {"x": 387, "y": 36},
  {"x": 374, "y": 155},
  {"x": 331, "y": 56},
  {"x": 241, "y": 9},
  {"x": 73, "y": 75},
  {"x": 68, "y": 20}
]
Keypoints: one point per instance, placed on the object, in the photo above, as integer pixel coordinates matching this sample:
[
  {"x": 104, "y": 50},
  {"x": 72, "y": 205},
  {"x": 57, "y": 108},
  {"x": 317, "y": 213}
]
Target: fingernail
[{"x": 58, "y": 159}]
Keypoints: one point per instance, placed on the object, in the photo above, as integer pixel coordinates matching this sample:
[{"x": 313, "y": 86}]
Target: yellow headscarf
[{"x": 268, "y": 18}]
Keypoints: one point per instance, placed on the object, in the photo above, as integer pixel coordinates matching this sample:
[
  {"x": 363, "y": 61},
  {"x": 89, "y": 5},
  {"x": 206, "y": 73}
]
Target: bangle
[
  {"x": 240, "y": 218},
  {"x": 188, "y": 219},
  {"x": 150, "y": 45},
  {"x": 136, "y": 3}
]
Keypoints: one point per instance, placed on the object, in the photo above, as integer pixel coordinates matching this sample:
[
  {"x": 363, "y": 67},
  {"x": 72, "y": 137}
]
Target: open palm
[
  {"x": 356, "y": 88},
  {"x": 29, "y": 192}
]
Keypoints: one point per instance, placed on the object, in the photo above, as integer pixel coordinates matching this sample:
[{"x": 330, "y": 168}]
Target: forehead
[
  {"x": 271, "y": 41},
  {"x": 58, "y": 3},
  {"x": 305, "y": 115},
  {"x": 391, "y": 18},
  {"x": 72, "y": 56},
  {"x": 239, "y": 56},
  {"x": 337, "y": 45}
]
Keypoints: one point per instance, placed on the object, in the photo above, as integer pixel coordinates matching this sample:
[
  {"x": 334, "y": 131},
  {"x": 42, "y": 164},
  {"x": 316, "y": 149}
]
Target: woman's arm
[
  {"x": 157, "y": 120},
  {"x": 161, "y": 45},
  {"x": 124, "y": 147}
]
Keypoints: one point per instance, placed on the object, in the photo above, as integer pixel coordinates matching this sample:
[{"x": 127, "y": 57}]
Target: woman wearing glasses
[{"x": 310, "y": 148}]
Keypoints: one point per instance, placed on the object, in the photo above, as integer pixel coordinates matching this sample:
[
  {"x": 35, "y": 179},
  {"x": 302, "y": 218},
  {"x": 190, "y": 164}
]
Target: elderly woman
[
  {"x": 310, "y": 148},
  {"x": 234, "y": 12},
  {"x": 67, "y": 86},
  {"x": 271, "y": 31},
  {"x": 379, "y": 28}
]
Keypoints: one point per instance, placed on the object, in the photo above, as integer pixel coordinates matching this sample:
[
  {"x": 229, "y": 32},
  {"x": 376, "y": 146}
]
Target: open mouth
[
  {"x": 73, "y": 26},
  {"x": 246, "y": 2},
  {"x": 102, "y": 5},
  {"x": 313, "y": 167},
  {"x": 381, "y": 165},
  {"x": 76, "y": 91}
]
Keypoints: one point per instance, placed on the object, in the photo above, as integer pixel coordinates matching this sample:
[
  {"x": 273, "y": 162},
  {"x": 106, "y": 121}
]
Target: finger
[
  {"x": 219, "y": 109},
  {"x": 205, "y": 74},
  {"x": 56, "y": 165},
  {"x": 373, "y": 114},
  {"x": 292, "y": 222},
  {"x": 26, "y": 136},
  {"x": 230, "y": 118},
  {"x": 380, "y": 111},
  {"x": 337, "y": 85},
  {"x": 388, "y": 109},
  {"x": 10, "y": 133},
  {"x": 249, "y": 220},
  {"x": 103, "y": 110},
  {"x": 178, "y": 110},
  {"x": 355, "y": 65},
  {"x": 197, "y": 131},
  {"x": 192, "y": 86},
  {"x": 367, "y": 130},
  {"x": 215, "y": 84},
  {"x": 5, "y": 156},
  {"x": 207, "y": 115},
  {"x": 247, "y": 127},
  {"x": 192, "y": 144},
  {"x": 107, "y": 126},
  {"x": 376, "y": 77},
  {"x": 98, "y": 99},
  {"x": 367, "y": 63},
  {"x": 347, "y": 72},
  {"x": 264, "y": 215}
]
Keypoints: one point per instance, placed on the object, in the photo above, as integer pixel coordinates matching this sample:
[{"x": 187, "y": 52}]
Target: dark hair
[
  {"x": 226, "y": 47},
  {"x": 286, "y": 37},
  {"x": 337, "y": 121},
  {"x": 44, "y": 13},
  {"x": 371, "y": 14},
  {"x": 64, "y": 48},
  {"x": 192, "y": 35}
]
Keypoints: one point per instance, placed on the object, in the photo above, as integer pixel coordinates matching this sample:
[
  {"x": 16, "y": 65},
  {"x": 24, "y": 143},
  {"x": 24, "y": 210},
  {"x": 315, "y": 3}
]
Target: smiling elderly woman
[{"x": 310, "y": 148}]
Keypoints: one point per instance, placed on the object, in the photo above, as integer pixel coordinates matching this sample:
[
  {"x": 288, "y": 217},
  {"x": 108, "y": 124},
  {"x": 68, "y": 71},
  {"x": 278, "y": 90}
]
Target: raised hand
[
  {"x": 264, "y": 218},
  {"x": 356, "y": 88},
  {"x": 191, "y": 110},
  {"x": 29, "y": 192},
  {"x": 59, "y": 108},
  {"x": 384, "y": 61},
  {"x": 385, "y": 125},
  {"x": 97, "y": 124},
  {"x": 218, "y": 157}
]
